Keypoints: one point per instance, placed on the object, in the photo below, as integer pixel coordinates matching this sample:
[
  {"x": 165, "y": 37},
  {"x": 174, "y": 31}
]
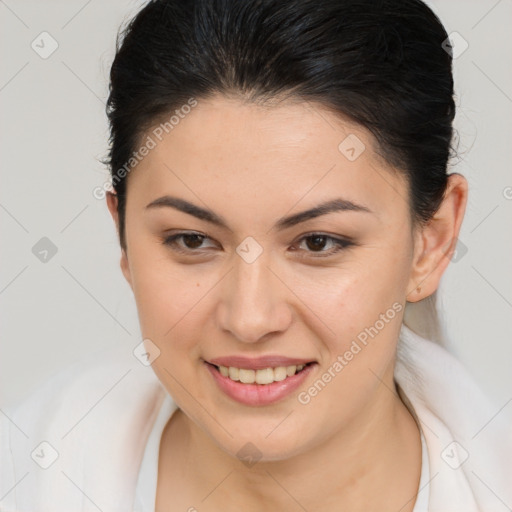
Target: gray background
[{"x": 54, "y": 132}]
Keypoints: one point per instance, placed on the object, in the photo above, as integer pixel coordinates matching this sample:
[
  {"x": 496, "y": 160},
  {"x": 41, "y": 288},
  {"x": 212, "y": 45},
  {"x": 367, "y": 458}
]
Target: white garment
[
  {"x": 145, "y": 495},
  {"x": 104, "y": 418}
]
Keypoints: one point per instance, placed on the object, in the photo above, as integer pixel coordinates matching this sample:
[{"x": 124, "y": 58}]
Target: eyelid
[
  {"x": 340, "y": 243},
  {"x": 170, "y": 239}
]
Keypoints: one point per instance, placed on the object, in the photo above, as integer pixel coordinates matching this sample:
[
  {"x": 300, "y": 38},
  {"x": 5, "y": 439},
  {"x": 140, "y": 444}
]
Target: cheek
[
  {"x": 166, "y": 294},
  {"x": 170, "y": 310},
  {"x": 350, "y": 297},
  {"x": 364, "y": 309},
  {"x": 168, "y": 305}
]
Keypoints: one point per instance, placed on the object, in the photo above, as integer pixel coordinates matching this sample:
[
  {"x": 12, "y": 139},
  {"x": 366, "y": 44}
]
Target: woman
[{"x": 280, "y": 193}]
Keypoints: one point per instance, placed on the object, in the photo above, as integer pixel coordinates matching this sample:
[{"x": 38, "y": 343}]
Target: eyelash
[{"x": 340, "y": 244}]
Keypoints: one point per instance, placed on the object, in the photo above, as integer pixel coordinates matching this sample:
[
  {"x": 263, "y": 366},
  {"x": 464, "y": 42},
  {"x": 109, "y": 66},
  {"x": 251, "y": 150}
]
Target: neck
[{"x": 372, "y": 464}]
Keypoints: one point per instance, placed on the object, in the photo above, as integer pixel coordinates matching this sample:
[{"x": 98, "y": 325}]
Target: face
[{"x": 238, "y": 285}]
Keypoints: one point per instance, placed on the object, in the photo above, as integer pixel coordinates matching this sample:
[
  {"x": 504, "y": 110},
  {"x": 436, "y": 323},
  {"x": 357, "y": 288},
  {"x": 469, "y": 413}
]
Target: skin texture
[{"x": 354, "y": 446}]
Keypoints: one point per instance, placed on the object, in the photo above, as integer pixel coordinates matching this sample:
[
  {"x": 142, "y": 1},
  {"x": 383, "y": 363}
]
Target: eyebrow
[{"x": 334, "y": 205}]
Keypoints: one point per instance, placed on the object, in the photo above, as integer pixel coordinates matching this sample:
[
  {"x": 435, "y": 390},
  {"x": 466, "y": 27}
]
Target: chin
[{"x": 252, "y": 448}]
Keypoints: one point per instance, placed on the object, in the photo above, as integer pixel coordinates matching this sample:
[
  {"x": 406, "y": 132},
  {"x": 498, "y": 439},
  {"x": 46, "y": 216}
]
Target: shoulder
[
  {"x": 439, "y": 380},
  {"x": 469, "y": 438},
  {"x": 81, "y": 387},
  {"x": 81, "y": 415}
]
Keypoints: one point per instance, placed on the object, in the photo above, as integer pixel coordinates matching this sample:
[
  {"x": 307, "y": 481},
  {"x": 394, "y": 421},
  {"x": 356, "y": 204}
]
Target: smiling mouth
[{"x": 264, "y": 376}]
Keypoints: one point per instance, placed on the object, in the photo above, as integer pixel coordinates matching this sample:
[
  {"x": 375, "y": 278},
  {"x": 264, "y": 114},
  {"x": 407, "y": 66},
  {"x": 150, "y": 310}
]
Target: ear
[
  {"x": 112, "y": 206},
  {"x": 435, "y": 242}
]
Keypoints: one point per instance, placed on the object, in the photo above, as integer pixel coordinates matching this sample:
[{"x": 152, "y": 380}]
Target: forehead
[{"x": 227, "y": 152}]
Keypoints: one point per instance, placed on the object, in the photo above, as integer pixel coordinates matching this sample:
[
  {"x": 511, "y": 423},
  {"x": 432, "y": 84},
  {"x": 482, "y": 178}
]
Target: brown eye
[
  {"x": 317, "y": 243},
  {"x": 191, "y": 242}
]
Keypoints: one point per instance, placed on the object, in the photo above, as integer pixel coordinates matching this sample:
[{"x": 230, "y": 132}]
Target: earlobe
[
  {"x": 125, "y": 268},
  {"x": 437, "y": 240}
]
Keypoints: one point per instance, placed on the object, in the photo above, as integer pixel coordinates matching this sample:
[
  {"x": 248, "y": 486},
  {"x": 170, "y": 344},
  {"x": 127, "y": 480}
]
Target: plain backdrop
[{"x": 54, "y": 133}]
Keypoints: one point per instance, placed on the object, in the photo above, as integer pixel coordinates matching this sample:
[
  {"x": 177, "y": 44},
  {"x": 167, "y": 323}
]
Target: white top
[
  {"x": 88, "y": 439},
  {"x": 145, "y": 494},
  {"x": 421, "y": 504}
]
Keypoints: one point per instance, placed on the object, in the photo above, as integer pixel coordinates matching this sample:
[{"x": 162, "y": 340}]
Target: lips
[
  {"x": 259, "y": 381},
  {"x": 259, "y": 363},
  {"x": 263, "y": 370}
]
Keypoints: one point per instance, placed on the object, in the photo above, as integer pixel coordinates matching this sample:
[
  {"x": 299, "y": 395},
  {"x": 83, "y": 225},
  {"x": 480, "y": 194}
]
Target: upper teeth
[{"x": 265, "y": 376}]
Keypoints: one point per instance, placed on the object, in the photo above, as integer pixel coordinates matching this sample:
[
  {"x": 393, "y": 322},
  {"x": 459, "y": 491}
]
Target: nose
[{"x": 254, "y": 302}]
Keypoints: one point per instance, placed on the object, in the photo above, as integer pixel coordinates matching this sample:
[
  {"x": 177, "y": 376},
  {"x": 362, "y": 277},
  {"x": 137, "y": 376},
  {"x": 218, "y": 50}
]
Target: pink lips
[
  {"x": 258, "y": 394},
  {"x": 257, "y": 363}
]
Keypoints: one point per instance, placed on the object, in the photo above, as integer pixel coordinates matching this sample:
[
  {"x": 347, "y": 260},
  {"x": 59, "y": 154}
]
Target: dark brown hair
[{"x": 378, "y": 62}]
